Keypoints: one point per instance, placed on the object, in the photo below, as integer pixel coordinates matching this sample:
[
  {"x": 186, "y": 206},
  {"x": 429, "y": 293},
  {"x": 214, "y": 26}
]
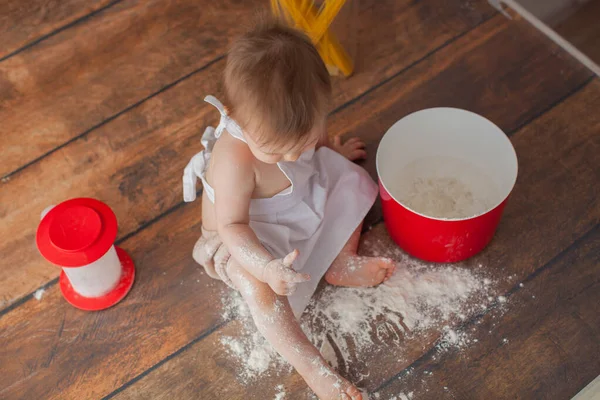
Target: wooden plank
[
  {"x": 206, "y": 371},
  {"x": 23, "y": 23},
  {"x": 78, "y": 78},
  {"x": 551, "y": 34},
  {"x": 51, "y": 350},
  {"x": 554, "y": 139},
  {"x": 545, "y": 346},
  {"x": 554, "y": 151},
  {"x": 538, "y": 154},
  {"x": 519, "y": 249},
  {"x": 114, "y": 353},
  {"x": 134, "y": 162},
  {"x": 582, "y": 29},
  {"x": 49, "y": 86},
  {"x": 381, "y": 108}
]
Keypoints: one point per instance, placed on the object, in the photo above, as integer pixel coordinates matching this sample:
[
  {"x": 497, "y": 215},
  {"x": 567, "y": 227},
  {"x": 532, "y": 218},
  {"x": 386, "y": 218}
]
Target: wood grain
[
  {"x": 554, "y": 152},
  {"x": 507, "y": 86},
  {"x": 206, "y": 371},
  {"x": 583, "y": 30},
  {"x": 78, "y": 78},
  {"x": 135, "y": 161},
  {"x": 545, "y": 346},
  {"x": 25, "y": 22},
  {"x": 518, "y": 250},
  {"x": 54, "y": 351}
]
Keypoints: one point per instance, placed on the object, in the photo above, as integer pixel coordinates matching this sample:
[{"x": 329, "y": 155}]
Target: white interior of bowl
[{"x": 448, "y": 142}]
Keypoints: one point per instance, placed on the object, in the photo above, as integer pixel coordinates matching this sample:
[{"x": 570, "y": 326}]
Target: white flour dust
[
  {"x": 250, "y": 348},
  {"x": 402, "y": 396},
  {"x": 444, "y": 187},
  {"x": 38, "y": 294},
  {"x": 414, "y": 298},
  {"x": 418, "y": 297},
  {"x": 280, "y": 395}
]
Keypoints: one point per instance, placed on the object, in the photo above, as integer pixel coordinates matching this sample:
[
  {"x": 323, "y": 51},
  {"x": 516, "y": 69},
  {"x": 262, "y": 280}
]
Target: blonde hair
[{"x": 275, "y": 78}]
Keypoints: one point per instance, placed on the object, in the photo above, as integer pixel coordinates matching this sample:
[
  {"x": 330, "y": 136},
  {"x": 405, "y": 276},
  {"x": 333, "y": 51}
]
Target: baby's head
[{"x": 278, "y": 90}]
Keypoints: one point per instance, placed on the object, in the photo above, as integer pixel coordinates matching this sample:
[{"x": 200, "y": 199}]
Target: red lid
[{"x": 76, "y": 232}]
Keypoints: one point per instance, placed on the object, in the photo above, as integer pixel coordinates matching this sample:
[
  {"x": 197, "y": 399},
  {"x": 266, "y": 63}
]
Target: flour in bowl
[{"x": 444, "y": 187}]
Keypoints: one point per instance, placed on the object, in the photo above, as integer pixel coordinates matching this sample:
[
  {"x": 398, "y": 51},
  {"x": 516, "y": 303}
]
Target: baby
[{"x": 282, "y": 206}]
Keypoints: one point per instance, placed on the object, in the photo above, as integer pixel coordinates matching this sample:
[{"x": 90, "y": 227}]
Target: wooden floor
[
  {"x": 582, "y": 29},
  {"x": 104, "y": 99}
]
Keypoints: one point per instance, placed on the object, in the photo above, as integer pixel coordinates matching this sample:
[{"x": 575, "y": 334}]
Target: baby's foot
[
  {"x": 359, "y": 271},
  {"x": 328, "y": 384}
]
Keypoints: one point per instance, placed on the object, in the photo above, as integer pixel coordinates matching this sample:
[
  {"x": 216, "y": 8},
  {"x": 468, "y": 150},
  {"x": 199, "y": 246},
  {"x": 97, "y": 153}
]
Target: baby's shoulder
[{"x": 231, "y": 151}]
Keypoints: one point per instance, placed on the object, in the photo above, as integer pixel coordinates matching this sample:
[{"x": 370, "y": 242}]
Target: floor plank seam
[
  {"x": 335, "y": 111},
  {"x": 19, "y": 302},
  {"x": 54, "y": 281},
  {"x": 222, "y": 56},
  {"x": 424, "y": 358},
  {"x": 413, "y": 64},
  {"x": 59, "y": 30},
  {"x": 113, "y": 117},
  {"x": 554, "y": 104},
  {"x": 421, "y": 360},
  {"x": 203, "y": 335}
]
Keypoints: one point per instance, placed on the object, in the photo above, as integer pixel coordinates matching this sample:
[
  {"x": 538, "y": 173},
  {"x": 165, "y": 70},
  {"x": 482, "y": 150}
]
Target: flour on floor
[
  {"x": 38, "y": 294},
  {"x": 280, "y": 395},
  {"x": 347, "y": 322},
  {"x": 250, "y": 348},
  {"x": 402, "y": 396}
]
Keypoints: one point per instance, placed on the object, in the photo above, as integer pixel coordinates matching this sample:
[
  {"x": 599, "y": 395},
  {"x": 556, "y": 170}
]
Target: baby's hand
[
  {"x": 280, "y": 275},
  {"x": 353, "y": 149}
]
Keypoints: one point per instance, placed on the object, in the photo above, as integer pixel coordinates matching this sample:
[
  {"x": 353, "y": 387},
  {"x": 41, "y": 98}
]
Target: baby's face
[{"x": 271, "y": 155}]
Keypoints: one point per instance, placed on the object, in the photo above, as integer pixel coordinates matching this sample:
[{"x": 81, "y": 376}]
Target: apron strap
[
  {"x": 226, "y": 121},
  {"x": 217, "y": 104},
  {"x": 189, "y": 180}
]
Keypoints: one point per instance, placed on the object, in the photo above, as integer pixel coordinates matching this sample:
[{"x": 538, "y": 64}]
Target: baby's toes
[
  {"x": 387, "y": 263},
  {"x": 391, "y": 270},
  {"x": 353, "y": 393},
  {"x": 390, "y": 273},
  {"x": 379, "y": 277}
]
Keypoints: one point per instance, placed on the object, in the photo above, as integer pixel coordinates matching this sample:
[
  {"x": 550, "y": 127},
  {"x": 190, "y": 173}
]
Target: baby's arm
[{"x": 234, "y": 183}]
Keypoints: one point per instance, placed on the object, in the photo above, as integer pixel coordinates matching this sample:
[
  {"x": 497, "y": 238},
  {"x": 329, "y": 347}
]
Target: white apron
[{"x": 328, "y": 198}]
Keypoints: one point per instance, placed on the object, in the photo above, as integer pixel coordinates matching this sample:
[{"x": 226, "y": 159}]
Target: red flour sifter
[{"x": 78, "y": 235}]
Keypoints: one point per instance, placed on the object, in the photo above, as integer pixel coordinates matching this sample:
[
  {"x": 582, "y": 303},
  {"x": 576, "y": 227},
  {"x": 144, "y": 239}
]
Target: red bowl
[{"x": 445, "y": 176}]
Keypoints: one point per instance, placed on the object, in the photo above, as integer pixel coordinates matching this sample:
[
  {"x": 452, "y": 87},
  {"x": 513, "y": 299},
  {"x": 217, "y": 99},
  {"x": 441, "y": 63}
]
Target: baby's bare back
[{"x": 268, "y": 178}]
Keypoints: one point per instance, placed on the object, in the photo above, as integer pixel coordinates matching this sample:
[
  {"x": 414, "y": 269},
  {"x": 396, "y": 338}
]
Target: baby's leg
[
  {"x": 350, "y": 269},
  {"x": 274, "y": 319}
]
